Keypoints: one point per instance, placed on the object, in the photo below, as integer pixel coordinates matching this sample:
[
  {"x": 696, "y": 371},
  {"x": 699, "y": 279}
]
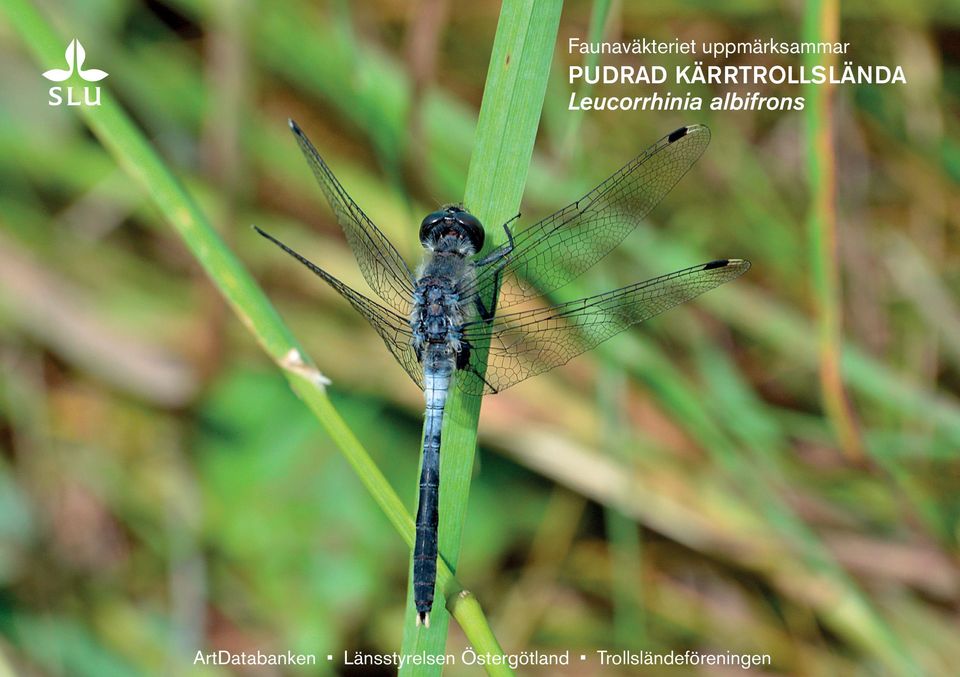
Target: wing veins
[
  {"x": 593, "y": 221},
  {"x": 381, "y": 264},
  {"x": 393, "y": 328},
  {"x": 530, "y": 342}
]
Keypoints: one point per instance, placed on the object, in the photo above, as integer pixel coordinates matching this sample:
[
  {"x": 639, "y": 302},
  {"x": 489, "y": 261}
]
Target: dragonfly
[{"x": 443, "y": 321}]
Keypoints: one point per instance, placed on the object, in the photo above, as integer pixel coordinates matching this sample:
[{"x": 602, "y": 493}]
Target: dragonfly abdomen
[
  {"x": 436, "y": 321},
  {"x": 436, "y": 382}
]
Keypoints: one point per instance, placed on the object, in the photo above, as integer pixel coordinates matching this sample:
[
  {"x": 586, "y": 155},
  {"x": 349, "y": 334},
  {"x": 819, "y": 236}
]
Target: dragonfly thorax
[
  {"x": 438, "y": 315},
  {"x": 452, "y": 230}
]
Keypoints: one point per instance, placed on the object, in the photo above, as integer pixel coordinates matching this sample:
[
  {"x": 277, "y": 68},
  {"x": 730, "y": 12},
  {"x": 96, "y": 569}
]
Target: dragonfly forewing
[
  {"x": 556, "y": 250},
  {"x": 381, "y": 264}
]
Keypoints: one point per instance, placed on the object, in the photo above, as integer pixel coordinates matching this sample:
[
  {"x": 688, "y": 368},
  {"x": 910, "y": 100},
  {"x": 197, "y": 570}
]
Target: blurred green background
[{"x": 162, "y": 490}]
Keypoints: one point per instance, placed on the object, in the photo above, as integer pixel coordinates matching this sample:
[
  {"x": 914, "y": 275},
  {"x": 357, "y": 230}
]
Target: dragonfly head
[{"x": 452, "y": 221}]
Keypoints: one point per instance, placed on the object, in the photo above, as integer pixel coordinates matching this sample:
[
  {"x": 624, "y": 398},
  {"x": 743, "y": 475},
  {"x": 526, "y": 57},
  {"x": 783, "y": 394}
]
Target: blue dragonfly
[{"x": 444, "y": 323}]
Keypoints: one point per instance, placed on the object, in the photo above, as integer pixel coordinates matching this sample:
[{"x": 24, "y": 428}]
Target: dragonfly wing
[
  {"x": 393, "y": 328},
  {"x": 559, "y": 248},
  {"x": 381, "y": 264},
  {"x": 528, "y": 343}
]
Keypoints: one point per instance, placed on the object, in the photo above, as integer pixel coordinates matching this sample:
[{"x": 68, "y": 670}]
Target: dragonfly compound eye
[
  {"x": 452, "y": 220},
  {"x": 472, "y": 227},
  {"x": 429, "y": 223}
]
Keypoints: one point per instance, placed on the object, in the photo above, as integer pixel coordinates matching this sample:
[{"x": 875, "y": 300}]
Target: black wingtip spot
[
  {"x": 294, "y": 127},
  {"x": 719, "y": 263},
  {"x": 677, "y": 134}
]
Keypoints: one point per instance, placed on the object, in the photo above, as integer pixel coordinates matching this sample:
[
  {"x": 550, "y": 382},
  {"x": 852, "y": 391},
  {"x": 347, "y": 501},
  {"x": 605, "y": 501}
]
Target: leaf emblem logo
[{"x": 75, "y": 56}]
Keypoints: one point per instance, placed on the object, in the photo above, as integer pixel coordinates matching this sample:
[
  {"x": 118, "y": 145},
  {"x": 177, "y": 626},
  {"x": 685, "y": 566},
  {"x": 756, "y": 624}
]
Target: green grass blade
[
  {"x": 623, "y": 533},
  {"x": 506, "y": 131}
]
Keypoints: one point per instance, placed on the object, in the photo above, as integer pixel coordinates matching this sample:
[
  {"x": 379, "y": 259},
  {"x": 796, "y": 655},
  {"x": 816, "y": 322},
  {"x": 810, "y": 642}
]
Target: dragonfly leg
[
  {"x": 485, "y": 315},
  {"x": 487, "y": 383},
  {"x": 499, "y": 254},
  {"x": 463, "y": 363},
  {"x": 463, "y": 357}
]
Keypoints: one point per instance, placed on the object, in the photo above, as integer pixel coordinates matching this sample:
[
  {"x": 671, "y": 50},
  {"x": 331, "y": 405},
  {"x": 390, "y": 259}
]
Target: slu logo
[{"x": 75, "y": 56}]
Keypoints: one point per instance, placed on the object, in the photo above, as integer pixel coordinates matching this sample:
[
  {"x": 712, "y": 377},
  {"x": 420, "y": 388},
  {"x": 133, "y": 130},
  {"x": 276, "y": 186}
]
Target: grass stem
[
  {"x": 821, "y": 24},
  {"x": 506, "y": 131}
]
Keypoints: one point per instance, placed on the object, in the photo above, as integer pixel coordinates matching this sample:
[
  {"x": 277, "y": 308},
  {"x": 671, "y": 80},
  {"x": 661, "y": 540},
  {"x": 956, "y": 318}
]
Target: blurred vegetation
[{"x": 162, "y": 490}]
